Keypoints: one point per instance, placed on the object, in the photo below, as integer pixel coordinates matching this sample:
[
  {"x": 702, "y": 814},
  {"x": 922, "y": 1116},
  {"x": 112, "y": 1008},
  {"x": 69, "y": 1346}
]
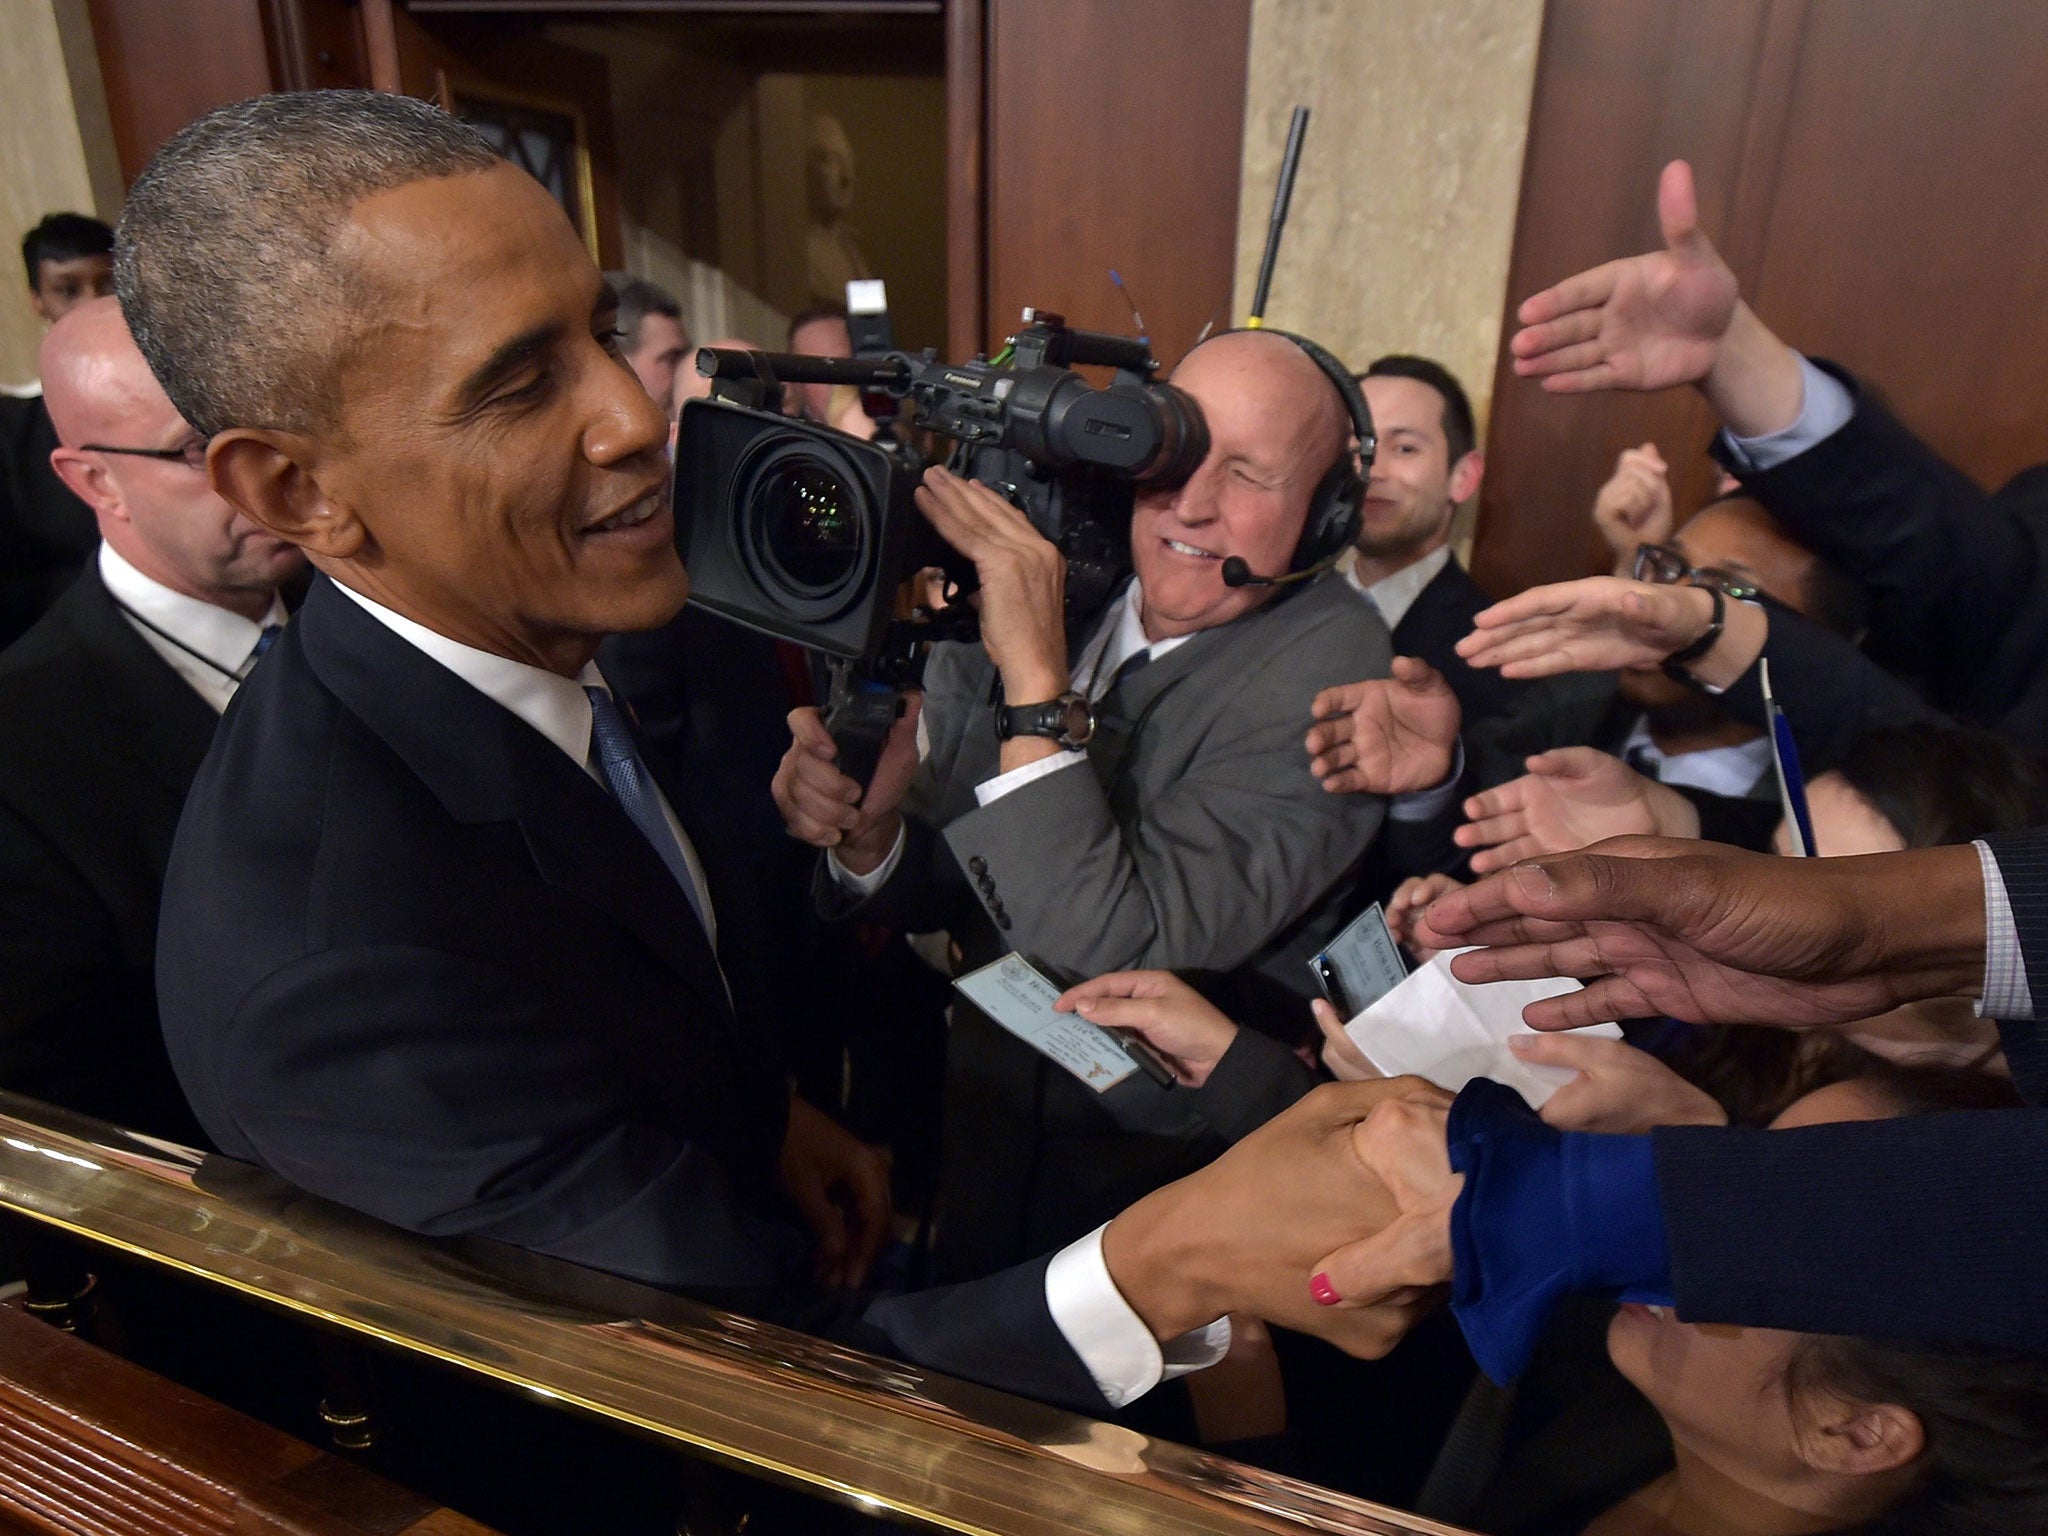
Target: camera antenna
[
  {"x": 1137, "y": 319},
  {"x": 1290, "y": 162}
]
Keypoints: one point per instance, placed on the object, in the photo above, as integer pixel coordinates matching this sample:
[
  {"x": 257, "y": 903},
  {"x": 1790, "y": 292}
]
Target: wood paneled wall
[
  {"x": 1871, "y": 169},
  {"x": 166, "y": 63},
  {"x": 1114, "y": 130}
]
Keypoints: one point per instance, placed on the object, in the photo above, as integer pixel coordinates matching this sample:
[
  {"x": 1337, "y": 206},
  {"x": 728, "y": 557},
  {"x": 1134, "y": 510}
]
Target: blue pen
[{"x": 1785, "y": 757}]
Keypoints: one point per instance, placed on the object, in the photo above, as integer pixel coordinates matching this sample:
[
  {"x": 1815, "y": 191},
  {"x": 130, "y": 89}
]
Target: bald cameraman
[{"x": 1140, "y": 799}]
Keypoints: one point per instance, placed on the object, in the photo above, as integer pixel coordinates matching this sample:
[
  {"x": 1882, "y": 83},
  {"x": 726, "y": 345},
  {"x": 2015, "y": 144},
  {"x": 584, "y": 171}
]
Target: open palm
[{"x": 1644, "y": 322}]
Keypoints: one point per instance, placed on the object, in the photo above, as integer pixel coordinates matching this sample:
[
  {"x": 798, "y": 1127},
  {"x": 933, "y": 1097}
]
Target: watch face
[{"x": 1077, "y": 722}]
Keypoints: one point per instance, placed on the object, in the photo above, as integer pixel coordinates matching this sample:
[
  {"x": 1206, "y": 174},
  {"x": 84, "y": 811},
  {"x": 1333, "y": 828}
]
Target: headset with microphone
[{"x": 1335, "y": 507}]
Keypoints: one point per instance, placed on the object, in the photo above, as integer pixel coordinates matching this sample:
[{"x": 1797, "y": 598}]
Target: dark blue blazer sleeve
[
  {"x": 1830, "y": 691},
  {"x": 1958, "y": 578},
  {"x": 1932, "y": 1228}
]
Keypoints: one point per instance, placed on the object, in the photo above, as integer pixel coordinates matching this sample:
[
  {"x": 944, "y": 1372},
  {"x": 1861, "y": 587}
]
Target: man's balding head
[
  {"x": 1277, "y": 426},
  {"x": 158, "y": 513},
  {"x": 227, "y": 257}
]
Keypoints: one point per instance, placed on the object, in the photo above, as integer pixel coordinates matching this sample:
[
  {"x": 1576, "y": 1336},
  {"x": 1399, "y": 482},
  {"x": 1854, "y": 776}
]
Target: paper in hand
[
  {"x": 1017, "y": 996},
  {"x": 1437, "y": 1027}
]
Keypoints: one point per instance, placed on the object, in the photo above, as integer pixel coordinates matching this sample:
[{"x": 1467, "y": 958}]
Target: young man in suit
[
  {"x": 1178, "y": 828},
  {"x": 1428, "y": 465},
  {"x": 46, "y": 533},
  {"x": 106, "y": 708},
  {"x": 435, "y": 944}
]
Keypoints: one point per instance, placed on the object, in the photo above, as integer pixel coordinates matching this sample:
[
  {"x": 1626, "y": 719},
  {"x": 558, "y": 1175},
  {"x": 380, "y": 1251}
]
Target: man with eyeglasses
[{"x": 107, "y": 707}]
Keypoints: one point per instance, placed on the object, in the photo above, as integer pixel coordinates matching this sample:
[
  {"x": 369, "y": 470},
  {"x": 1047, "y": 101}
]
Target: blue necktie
[
  {"x": 266, "y": 640},
  {"x": 611, "y": 740}
]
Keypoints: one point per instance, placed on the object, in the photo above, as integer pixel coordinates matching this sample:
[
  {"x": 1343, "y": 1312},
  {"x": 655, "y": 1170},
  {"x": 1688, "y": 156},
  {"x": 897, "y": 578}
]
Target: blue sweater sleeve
[{"x": 1544, "y": 1212}]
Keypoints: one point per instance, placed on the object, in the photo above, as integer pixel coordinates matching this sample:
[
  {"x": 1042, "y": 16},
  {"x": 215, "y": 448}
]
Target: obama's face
[{"x": 494, "y": 469}]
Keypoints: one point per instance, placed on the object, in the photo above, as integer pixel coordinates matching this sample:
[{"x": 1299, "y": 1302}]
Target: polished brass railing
[{"x": 763, "y": 1399}]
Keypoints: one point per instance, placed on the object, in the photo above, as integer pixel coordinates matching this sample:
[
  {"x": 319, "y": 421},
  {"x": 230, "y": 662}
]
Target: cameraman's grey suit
[{"x": 1195, "y": 839}]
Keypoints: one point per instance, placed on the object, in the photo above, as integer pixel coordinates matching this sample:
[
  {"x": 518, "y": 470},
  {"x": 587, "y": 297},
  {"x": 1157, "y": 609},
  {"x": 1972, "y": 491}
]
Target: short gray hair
[
  {"x": 223, "y": 257},
  {"x": 638, "y": 298}
]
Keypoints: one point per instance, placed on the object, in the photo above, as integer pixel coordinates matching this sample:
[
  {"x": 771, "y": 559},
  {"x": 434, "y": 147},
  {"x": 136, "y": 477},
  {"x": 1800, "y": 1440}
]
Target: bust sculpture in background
[{"x": 833, "y": 252}]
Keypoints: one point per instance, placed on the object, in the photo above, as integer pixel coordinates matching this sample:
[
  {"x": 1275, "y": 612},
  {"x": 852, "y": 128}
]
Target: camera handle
[{"x": 859, "y": 713}]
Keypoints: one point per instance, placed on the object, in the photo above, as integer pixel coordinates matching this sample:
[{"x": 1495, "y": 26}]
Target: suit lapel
[
  {"x": 162, "y": 726},
  {"x": 487, "y": 765}
]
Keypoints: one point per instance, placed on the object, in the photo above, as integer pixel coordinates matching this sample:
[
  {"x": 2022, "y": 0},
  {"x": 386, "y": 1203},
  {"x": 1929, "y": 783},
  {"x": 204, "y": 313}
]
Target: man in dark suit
[
  {"x": 1428, "y": 465},
  {"x": 106, "y": 707},
  {"x": 46, "y": 532},
  {"x": 434, "y": 943},
  {"x": 1957, "y": 579}
]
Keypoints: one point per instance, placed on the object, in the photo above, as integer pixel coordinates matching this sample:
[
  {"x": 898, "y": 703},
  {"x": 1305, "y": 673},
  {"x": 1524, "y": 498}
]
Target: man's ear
[
  {"x": 1852, "y": 1439},
  {"x": 1465, "y": 477},
  {"x": 85, "y": 474},
  {"x": 265, "y": 476}
]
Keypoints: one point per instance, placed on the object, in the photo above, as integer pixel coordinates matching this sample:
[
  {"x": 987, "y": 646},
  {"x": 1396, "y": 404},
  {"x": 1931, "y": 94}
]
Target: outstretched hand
[
  {"x": 1644, "y": 322},
  {"x": 1387, "y": 736},
  {"x": 1620, "y": 1089},
  {"x": 1715, "y": 935},
  {"x": 1597, "y": 624},
  {"x": 1568, "y": 799}
]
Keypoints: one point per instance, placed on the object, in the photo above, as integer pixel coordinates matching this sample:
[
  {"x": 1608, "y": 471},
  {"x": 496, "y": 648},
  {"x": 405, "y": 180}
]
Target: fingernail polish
[{"x": 1324, "y": 1292}]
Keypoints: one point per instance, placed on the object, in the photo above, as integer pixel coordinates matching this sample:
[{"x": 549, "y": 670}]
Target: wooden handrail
[{"x": 766, "y": 1400}]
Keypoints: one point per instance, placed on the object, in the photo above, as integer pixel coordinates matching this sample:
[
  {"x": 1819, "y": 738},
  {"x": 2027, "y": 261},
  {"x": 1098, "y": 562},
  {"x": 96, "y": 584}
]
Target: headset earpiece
[{"x": 1339, "y": 498}]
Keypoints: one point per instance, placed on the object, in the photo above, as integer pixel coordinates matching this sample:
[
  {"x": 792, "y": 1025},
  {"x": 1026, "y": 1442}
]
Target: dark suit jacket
[
  {"x": 1435, "y": 622},
  {"x": 415, "y": 960},
  {"x": 99, "y": 740},
  {"x": 1958, "y": 578},
  {"x": 46, "y": 533}
]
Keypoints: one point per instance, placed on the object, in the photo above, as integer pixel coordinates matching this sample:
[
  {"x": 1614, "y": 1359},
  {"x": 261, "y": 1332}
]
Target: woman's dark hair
[
  {"x": 1941, "y": 784},
  {"x": 1984, "y": 1411}
]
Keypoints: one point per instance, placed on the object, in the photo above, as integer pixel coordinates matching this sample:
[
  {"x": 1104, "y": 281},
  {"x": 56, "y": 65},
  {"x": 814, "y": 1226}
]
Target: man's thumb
[{"x": 1678, "y": 208}]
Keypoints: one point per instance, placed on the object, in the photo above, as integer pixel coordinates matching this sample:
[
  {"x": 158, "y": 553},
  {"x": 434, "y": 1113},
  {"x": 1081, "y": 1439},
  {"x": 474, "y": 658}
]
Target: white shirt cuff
[
  {"x": 1428, "y": 804},
  {"x": 2007, "y": 996},
  {"x": 1823, "y": 411},
  {"x": 1111, "y": 1339},
  {"x": 989, "y": 791},
  {"x": 871, "y": 882}
]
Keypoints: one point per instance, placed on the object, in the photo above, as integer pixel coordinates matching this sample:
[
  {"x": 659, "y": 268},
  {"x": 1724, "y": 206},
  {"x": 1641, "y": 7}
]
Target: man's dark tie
[
  {"x": 1126, "y": 669},
  {"x": 1644, "y": 761},
  {"x": 265, "y": 641},
  {"x": 611, "y": 743}
]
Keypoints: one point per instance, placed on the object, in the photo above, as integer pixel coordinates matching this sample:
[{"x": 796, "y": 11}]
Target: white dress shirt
[
  {"x": 1394, "y": 595},
  {"x": 1732, "y": 772},
  {"x": 1118, "y": 1349},
  {"x": 209, "y": 647}
]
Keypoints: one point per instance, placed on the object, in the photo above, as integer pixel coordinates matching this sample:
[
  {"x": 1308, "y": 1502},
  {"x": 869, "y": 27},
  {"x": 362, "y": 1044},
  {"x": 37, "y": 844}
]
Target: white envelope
[{"x": 1435, "y": 1026}]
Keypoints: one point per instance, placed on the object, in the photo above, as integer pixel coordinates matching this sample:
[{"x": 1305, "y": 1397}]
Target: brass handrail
[{"x": 764, "y": 1399}]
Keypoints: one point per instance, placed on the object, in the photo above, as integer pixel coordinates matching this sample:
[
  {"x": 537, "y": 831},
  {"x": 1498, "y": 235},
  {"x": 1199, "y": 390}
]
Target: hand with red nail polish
[
  {"x": 1408, "y": 1261},
  {"x": 1243, "y": 1234}
]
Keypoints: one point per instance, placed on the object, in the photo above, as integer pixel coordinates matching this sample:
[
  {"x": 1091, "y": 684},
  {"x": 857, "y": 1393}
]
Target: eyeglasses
[
  {"x": 192, "y": 453},
  {"x": 1667, "y": 567}
]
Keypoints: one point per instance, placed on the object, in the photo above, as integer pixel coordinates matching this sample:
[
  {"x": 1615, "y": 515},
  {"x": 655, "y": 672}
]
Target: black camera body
[{"x": 807, "y": 533}]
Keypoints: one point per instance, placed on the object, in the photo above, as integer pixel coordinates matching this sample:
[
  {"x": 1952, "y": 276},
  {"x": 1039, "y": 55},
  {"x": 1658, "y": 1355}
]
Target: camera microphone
[{"x": 1237, "y": 574}]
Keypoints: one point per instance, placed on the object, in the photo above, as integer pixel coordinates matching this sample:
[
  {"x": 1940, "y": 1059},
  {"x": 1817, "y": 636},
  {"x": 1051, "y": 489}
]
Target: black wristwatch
[
  {"x": 1677, "y": 661},
  {"x": 1067, "y": 720}
]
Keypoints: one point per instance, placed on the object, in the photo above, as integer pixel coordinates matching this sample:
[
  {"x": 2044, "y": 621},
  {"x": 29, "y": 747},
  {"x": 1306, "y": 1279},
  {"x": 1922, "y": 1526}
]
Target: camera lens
[{"x": 803, "y": 529}]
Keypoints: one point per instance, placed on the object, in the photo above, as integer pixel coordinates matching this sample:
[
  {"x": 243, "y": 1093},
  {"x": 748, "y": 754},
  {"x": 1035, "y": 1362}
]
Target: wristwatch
[
  {"x": 1067, "y": 720},
  {"x": 1676, "y": 663}
]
